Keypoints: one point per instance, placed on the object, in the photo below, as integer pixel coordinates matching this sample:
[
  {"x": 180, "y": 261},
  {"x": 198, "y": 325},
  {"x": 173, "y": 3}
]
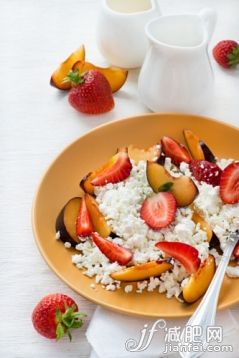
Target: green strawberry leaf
[{"x": 68, "y": 320}]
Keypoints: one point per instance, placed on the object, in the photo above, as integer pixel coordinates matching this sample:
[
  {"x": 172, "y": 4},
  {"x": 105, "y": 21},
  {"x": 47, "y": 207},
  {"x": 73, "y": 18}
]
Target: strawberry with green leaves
[
  {"x": 91, "y": 92},
  {"x": 226, "y": 53},
  {"x": 56, "y": 315}
]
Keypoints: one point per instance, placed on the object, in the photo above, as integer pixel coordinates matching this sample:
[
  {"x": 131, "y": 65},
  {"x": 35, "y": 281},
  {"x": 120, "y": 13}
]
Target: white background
[{"x": 36, "y": 122}]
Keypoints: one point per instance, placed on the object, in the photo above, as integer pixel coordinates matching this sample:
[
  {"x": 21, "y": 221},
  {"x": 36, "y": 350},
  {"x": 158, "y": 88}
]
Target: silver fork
[{"x": 205, "y": 313}]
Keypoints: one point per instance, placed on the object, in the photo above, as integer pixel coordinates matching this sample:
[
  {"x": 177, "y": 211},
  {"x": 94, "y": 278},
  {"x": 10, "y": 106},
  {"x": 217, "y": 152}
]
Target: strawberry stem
[
  {"x": 74, "y": 77},
  {"x": 234, "y": 57},
  {"x": 68, "y": 320}
]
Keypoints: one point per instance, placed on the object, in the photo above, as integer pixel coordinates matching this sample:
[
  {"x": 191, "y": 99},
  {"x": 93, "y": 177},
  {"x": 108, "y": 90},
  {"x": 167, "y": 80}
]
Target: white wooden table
[{"x": 36, "y": 122}]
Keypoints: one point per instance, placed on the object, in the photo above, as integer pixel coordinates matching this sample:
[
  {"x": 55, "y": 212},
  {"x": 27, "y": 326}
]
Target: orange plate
[{"x": 61, "y": 182}]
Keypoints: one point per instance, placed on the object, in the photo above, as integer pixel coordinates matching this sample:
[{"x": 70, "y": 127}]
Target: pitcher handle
[
  {"x": 209, "y": 17},
  {"x": 157, "y": 6}
]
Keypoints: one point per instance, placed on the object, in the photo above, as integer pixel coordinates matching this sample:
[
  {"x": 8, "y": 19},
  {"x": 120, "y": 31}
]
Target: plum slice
[
  {"x": 97, "y": 218},
  {"x": 184, "y": 189},
  {"x": 66, "y": 221},
  {"x": 58, "y": 76},
  {"x": 197, "y": 147},
  {"x": 137, "y": 154}
]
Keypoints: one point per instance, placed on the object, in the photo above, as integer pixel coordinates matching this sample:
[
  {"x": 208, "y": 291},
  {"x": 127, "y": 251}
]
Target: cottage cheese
[{"x": 120, "y": 204}]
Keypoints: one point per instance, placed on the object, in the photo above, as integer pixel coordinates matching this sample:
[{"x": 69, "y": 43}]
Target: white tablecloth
[{"x": 36, "y": 122}]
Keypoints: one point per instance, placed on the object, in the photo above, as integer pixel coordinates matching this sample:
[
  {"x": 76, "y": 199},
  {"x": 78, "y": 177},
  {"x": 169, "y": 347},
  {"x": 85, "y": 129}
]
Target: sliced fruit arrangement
[
  {"x": 58, "y": 76},
  {"x": 84, "y": 226},
  {"x": 200, "y": 280},
  {"x": 176, "y": 151},
  {"x": 229, "y": 184},
  {"x": 186, "y": 254},
  {"x": 183, "y": 189},
  {"x": 205, "y": 171},
  {"x": 66, "y": 221},
  {"x": 137, "y": 154},
  {"x": 112, "y": 251},
  {"x": 198, "y": 219},
  {"x": 197, "y": 147},
  {"x": 99, "y": 223},
  {"x": 159, "y": 210},
  {"x": 56, "y": 315},
  {"x": 142, "y": 271},
  {"x": 116, "y": 77}
]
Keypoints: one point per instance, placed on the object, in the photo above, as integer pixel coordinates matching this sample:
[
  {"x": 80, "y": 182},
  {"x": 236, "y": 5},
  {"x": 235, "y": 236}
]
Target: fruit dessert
[
  {"x": 90, "y": 87},
  {"x": 155, "y": 219}
]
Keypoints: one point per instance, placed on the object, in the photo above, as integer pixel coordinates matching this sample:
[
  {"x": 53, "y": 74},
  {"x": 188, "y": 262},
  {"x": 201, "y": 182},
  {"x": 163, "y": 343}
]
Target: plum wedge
[
  {"x": 58, "y": 76},
  {"x": 142, "y": 271},
  {"x": 183, "y": 188},
  {"x": 99, "y": 223},
  {"x": 200, "y": 280},
  {"x": 66, "y": 221},
  {"x": 137, "y": 154},
  {"x": 197, "y": 147},
  {"x": 198, "y": 219}
]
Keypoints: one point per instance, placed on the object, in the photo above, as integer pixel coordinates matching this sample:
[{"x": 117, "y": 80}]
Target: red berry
[
  {"x": 229, "y": 184},
  {"x": 205, "y": 171},
  {"x": 91, "y": 94},
  {"x": 176, "y": 151},
  {"x": 226, "y": 53},
  {"x": 159, "y": 210},
  {"x": 49, "y": 313},
  {"x": 84, "y": 226},
  {"x": 186, "y": 254},
  {"x": 236, "y": 251},
  {"x": 114, "y": 252},
  {"x": 118, "y": 169}
]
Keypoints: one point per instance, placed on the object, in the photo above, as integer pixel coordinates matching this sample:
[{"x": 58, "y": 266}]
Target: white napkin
[{"x": 108, "y": 332}]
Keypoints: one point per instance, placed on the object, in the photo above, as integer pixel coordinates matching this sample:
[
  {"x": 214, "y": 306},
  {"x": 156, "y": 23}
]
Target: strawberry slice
[
  {"x": 229, "y": 184},
  {"x": 236, "y": 251},
  {"x": 186, "y": 254},
  {"x": 176, "y": 151},
  {"x": 84, "y": 226},
  {"x": 118, "y": 169},
  {"x": 111, "y": 250},
  {"x": 159, "y": 210},
  {"x": 205, "y": 171}
]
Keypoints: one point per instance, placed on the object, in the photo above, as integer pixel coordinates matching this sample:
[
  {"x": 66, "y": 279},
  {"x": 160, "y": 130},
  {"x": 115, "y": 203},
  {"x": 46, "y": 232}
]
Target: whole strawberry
[
  {"x": 91, "y": 92},
  {"x": 226, "y": 53},
  {"x": 55, "y": 315}
]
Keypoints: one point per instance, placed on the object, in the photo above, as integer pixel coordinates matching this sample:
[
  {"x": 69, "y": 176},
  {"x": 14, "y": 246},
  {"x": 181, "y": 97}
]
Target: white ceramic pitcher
[
  {"x": 120, "y": 32},
  {"x": 176, "y": 75}
]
